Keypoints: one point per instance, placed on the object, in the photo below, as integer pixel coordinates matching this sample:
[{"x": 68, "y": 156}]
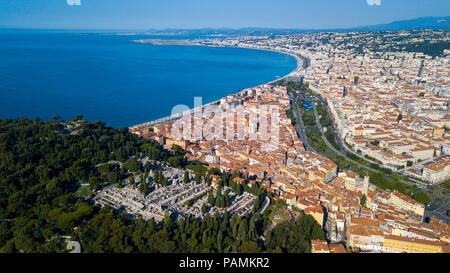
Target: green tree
[
  {"x": 211, "y": 198},
  {"x": 112, "y": 177},
  {"x": 243, "y": 230},
  {"x": 165, "y": 181},
  {"x": 175, "y": 161},
  {"x": 186, "y": 177},
  {"x": 239, "y": 189},
  {"x": 294, "y": 237},
  {"x": 156, "y": 177},
  {"x": 363, "y": 200},
  {"x": 95, "y": 182},
  {"x": 132, "y": 165},
  {"x": 143, "y": 186},
  {"x": 203, "y": 208},
  {"x": 198, "y": 178},
  {"x": 219, "y": 200},
  {"x": 250, "y": 247},
  {"x": 219, "y": 240}
]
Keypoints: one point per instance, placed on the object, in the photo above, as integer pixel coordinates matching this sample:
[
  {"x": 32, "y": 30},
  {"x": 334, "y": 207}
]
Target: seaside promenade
[{"x": 204, "y": 109}]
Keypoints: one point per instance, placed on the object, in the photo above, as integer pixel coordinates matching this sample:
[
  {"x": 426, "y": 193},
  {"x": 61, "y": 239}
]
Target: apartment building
[
  {"x": 438, "y": 170},
  {"x": 404, "y": 202},
  {"x": 397, "y": 244}
]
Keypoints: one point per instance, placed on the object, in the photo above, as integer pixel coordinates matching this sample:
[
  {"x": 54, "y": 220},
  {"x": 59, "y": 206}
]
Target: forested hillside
[{"x": 43, "y": 162}]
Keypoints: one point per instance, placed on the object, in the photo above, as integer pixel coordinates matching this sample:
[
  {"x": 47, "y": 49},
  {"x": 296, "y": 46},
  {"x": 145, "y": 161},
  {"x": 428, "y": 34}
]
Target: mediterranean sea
[{"x": 111, "y": 78}]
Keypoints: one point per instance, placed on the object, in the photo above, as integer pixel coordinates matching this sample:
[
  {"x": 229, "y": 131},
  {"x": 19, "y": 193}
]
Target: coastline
[
  {"x": 298, "y": 58},
  {"x": 300, "y": 65},
  {"x": 300, "y": 62},
  {"x": 166, "y": 42}
]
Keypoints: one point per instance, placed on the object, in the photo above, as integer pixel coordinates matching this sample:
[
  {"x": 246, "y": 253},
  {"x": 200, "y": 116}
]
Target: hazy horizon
[
  {"x": 198, "y": 28},
  {"x": 197, "y": 14}
]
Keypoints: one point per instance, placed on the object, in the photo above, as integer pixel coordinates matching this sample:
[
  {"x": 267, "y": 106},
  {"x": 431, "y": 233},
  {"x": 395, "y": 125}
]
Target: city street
[{"x": 439, "y": 213}]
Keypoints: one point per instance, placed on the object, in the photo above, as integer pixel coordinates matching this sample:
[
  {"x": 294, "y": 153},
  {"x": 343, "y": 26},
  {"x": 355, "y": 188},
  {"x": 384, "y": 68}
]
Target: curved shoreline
[{"x": 298, "y": 58}]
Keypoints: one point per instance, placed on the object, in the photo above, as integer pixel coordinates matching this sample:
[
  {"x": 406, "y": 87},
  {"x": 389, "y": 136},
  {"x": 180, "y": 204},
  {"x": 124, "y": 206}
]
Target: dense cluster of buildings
[
  {"x": 249, "y": 133},
  {"x": 391, "y": 107},
  {"x": 388, "y": 103},
  {"x": 365, "y": 218},
  {"x": 309, "y": 182}
]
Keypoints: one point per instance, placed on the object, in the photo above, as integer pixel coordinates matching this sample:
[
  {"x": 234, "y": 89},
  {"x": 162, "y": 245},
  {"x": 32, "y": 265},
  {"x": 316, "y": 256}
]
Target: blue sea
[{"x": 111, "y": 78}]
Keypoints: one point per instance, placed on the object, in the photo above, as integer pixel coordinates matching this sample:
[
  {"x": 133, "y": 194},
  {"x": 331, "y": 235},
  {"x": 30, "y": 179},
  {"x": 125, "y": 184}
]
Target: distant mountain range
[{"x": 417, "y": 23}]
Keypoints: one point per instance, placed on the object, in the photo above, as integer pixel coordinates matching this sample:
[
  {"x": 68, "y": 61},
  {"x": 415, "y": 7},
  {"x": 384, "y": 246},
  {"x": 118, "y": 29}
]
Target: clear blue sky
[{"x": 146, "y": 14}]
